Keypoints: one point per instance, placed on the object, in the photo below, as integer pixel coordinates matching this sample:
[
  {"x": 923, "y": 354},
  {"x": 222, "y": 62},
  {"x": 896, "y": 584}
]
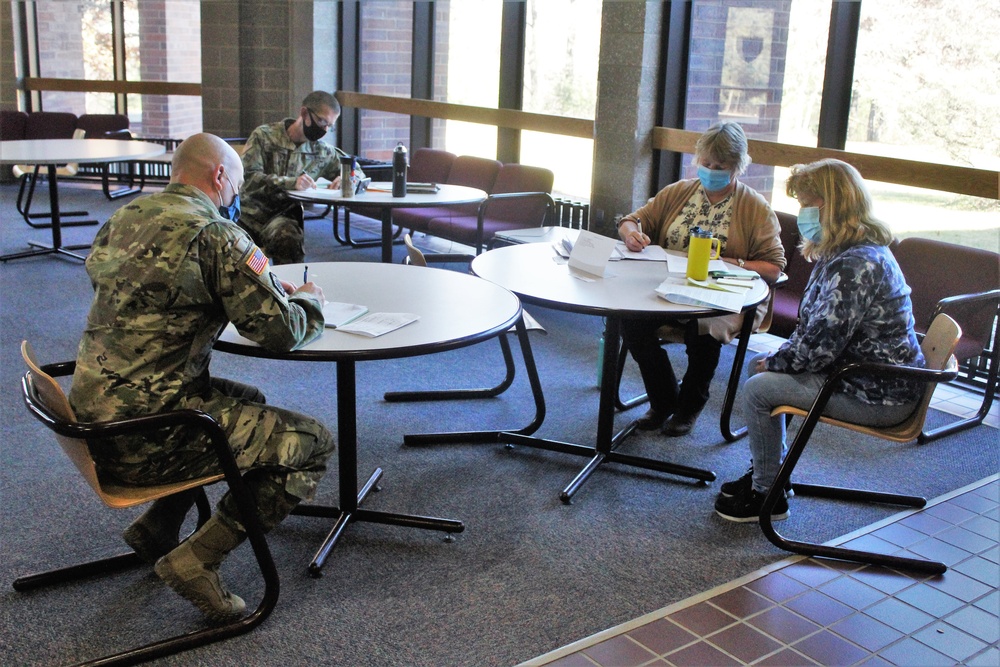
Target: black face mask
[{"x": 313, "y": 132}]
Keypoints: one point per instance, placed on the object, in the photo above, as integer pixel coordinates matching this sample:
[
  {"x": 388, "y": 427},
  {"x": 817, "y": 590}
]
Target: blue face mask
[
  {"x": 809, "y": 225},
  {"x": 713, "y": 179},
  {"x": 231, "y": 212}
]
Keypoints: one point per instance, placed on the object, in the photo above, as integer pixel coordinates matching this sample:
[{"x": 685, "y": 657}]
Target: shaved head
[{"x": 202, "y": 160}]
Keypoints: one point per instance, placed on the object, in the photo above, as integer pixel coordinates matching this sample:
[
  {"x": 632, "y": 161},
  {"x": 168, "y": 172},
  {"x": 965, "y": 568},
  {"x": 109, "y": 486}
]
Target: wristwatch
[{"x": 740, "y": 262}]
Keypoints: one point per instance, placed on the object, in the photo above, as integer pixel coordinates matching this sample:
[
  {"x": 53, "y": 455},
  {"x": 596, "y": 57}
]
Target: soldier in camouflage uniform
[
  {"x": 282, "y": 156},
  {"x": 169, "y": 273}
]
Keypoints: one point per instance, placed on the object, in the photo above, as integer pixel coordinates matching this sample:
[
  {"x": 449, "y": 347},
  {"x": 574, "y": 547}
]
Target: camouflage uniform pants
[
  {"x": 281, "y": 237},
  {"x": 282, "y": 453}
]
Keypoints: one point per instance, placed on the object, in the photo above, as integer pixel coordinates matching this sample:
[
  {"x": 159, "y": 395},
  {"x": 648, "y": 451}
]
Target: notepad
[
  {"x": 337, "y": 313},
  {"x": 373, "y": 325}
]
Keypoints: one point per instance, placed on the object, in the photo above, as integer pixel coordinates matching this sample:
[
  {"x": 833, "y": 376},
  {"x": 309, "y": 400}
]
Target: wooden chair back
[{"x": 45, "y": 394}]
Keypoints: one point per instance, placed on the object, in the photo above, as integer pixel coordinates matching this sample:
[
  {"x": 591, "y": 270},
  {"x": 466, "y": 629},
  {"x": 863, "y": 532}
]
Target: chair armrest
[
  {"x": 485, "y": 204},
  {"x": 965, "y": 300},
  {"x": 925, "y": 375}
]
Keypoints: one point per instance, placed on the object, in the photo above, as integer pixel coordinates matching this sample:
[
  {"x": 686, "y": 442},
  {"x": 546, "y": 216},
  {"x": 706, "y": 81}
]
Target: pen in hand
[{"x": 305, "y": 274}]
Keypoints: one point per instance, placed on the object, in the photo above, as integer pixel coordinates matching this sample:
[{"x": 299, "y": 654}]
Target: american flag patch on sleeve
[{"x": 257, "y": 261}]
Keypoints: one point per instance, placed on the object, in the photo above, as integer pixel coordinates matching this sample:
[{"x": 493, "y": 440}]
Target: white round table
[
  {"x": 626, "y": 291},
  {"x": 455, "y": 310},
  {"x": 53, "y": 152},
  {"x": 379, "y": 195}
]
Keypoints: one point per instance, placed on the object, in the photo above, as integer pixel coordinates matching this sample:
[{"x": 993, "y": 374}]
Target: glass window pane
[
  {"x": 467, "y": 71},
  {"x": 560, "y": 78},
  {"x": 761, "y": 64},
  {"x": 386, "y": 46},
  {"x": 74, "y": 42},
  {"x": 925, "y": 89}
]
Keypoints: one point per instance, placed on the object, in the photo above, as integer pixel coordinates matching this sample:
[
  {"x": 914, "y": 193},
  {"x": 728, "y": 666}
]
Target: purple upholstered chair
[{"x": 963, "y": 282}]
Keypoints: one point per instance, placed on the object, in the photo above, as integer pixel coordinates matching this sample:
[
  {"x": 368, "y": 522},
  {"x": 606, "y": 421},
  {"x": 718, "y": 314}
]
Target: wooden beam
[
  {"x": 519, "y": 120},
  {"x": 116, "y": 87},
  {"x": 944, "y": 177}
]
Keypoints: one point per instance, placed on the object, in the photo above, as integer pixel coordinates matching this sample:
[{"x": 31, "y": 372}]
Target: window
[
  {"x": 386, "y": 45},
  {"x": 467, "y": 71},
  {"x": 562, "y": 45},
  {"x": 161, "y": 42},
  {"x": 740, "y": 70},
  {"x": 926, "y": 89}
]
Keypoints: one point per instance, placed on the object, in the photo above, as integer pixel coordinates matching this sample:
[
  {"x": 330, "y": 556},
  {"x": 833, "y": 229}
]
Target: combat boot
[
  {"x": 192, "y": 569},
  {"x": 154, "y": 533}
]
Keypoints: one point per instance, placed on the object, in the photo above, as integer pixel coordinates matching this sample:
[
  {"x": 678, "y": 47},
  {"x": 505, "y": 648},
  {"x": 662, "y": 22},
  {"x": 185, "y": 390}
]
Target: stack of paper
[
  {"x": 693, "y": 293},
  {"x": 376, "y": 324},
  {"x": 337, "y": 314}
]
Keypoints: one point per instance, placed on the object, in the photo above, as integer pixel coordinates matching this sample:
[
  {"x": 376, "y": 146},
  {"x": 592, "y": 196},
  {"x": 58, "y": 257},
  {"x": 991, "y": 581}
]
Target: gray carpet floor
[{"x": 528, "y": 575}]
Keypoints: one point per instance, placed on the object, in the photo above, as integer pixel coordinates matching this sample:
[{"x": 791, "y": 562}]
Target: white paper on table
[
  {"x": 323, "y": 182},
  {"x": 337, "y": 313},
  {"x": 687, "y": 295},
  {"x": 679, "y": 264},
  {"x": 651, "y": 253},
  {"x": 376, "y": 324},
  {"x": 591, "y": 253}
]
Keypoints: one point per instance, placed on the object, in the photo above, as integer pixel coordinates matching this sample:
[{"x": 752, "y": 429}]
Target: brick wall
[
  {"x": 386, "y": 39},
  {"x": 220, "y": 68},
  {"x": 170, "y": 35},
  {"x": 737, "y": 71}
]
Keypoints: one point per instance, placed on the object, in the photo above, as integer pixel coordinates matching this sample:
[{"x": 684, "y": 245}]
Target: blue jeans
[{"x": 765, "y": 391}]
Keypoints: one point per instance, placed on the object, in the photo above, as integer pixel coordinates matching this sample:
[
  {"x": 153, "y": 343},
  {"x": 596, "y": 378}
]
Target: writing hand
[
  {"x": 314, "y": 289},
  {"x": 636, "y": 241},
  {"x": 304, "y": 182},
  {"x": 287, "y": 286}
]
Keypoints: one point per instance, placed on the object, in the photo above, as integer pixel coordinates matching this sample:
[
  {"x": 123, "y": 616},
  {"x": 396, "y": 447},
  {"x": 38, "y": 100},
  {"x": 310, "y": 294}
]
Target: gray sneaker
[{"x": 200, "y": 584}]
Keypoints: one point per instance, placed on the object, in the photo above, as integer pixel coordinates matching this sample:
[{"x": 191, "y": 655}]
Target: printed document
[{"x": 591, "y": 253}]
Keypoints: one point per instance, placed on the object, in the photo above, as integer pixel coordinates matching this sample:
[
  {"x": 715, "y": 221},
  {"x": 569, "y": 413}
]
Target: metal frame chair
[
  {"x": 938, "y": 347},
  {"x": 416, "y": 257},
  {"x": 47, "y": 402}
]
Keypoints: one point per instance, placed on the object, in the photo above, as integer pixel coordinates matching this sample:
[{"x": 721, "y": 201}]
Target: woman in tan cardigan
[{"x": 749, "y": 237}]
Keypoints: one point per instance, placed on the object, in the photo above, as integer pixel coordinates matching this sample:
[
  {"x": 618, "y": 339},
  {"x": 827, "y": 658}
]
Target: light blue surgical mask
[
  {"x": 231, "y": 212},
  {"x": 714, "y": 180},
  {"x": 808, "y": 224}
]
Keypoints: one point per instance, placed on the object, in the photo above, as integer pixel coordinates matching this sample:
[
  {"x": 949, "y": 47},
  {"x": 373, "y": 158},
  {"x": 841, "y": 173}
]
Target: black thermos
[{"x": 399, "y": 170}]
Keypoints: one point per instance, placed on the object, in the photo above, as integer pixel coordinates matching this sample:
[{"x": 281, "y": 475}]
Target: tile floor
[
  {"x": 804, "y": 611},
  {"x": 823, "y": 612}
]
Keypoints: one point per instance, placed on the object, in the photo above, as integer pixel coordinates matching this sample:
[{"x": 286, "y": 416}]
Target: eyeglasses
[{"x": 321, "y": 122}]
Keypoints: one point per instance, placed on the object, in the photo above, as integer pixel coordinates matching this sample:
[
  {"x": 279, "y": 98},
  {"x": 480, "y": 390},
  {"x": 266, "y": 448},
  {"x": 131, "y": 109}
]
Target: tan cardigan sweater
[{"x": 754, "y": 234}]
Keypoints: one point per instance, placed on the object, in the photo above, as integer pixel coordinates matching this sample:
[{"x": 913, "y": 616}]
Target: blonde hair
[
  {"x": 846, "y": 216},
  {"x": 724, "y": 142}
]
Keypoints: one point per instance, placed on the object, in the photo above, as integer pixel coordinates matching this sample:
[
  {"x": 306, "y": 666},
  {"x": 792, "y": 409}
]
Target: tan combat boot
[{"x": 192, "y": 569}]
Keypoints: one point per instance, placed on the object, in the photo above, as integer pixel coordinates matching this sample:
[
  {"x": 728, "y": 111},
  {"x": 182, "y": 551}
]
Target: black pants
[{"x": 665, "y": 394}]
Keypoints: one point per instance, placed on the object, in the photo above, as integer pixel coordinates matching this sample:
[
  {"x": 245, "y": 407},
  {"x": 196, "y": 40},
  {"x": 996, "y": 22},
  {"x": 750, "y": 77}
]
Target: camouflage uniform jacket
[
  {"x": 272, "y": 163},
  {"x": 169, "y": 273}
]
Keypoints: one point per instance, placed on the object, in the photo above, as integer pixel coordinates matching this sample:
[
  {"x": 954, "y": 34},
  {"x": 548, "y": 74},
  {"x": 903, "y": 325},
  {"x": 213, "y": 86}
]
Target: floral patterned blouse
[
  {"x": 699, "y": 212},
  {"x": 856, "y": 307}
]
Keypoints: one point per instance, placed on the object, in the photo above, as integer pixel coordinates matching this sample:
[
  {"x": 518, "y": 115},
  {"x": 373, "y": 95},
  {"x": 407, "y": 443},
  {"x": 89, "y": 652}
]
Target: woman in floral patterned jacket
[{"x": 856, "y": 308}]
